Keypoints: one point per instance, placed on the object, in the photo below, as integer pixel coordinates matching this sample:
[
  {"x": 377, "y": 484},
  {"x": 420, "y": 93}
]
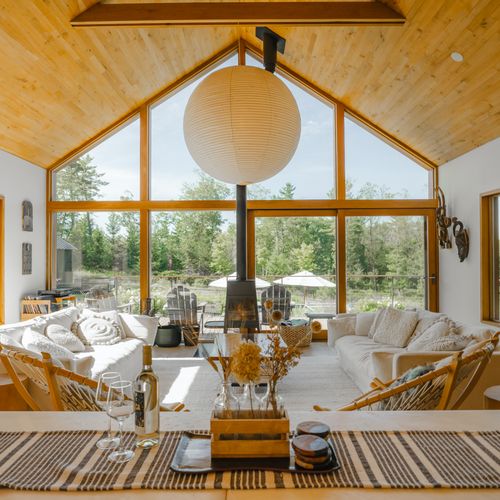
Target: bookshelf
[{"x": 31, "y": 308}]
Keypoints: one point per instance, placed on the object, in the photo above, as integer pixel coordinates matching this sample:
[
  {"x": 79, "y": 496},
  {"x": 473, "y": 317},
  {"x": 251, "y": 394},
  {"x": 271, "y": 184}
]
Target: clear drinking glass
[
  {"x": 120, "y": 407},
  {"x": 101, "y": 398}
]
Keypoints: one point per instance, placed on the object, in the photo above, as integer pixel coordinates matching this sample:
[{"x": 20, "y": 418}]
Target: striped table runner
[{"x": 70, "y": 461}]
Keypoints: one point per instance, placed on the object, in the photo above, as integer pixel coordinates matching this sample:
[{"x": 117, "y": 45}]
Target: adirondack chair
[
  {"x": 100, "y": 300},
  {"x": 282, "y": 301},
  {"x": 182, "y": 309}
]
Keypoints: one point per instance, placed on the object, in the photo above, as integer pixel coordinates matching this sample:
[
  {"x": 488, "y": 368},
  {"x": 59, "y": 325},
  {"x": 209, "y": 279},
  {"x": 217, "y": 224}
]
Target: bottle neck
[
  {"x": 147, "y": 358},
  {"x": 147, "y": 368}
]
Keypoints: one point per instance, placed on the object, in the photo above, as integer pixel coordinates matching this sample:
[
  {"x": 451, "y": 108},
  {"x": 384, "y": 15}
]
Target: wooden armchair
[
  {"x": 101, "y": 300},
  {"x": 65, "y": 390},
  {"x": 443, "y": 388}
]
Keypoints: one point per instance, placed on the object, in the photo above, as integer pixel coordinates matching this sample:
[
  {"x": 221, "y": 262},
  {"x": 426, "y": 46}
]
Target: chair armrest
[
  {"x": 403, "y": 361},
  {"x": 338, "y": 328},
  {"x": 382, "y": 363}
]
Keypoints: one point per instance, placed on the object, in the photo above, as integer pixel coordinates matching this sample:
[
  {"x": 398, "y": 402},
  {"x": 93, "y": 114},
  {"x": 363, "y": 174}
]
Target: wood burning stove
[{"x": 241, "y": 295}]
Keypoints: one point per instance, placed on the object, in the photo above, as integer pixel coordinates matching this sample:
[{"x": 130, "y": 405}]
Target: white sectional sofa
[
  {"x": 363, "y": 358},
  {"x": 124, "y": 356}
]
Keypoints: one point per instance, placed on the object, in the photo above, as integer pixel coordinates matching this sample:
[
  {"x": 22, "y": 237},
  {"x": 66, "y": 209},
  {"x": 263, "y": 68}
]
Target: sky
[{"x": 368, "y": 158}]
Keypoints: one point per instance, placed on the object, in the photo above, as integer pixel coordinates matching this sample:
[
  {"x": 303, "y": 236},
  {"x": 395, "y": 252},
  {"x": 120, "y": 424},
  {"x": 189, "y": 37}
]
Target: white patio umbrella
[
  {"x": 222, "y": 282},
  {"x": 305, "y": 279}
]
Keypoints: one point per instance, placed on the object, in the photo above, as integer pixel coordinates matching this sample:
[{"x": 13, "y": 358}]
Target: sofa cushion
[
  {"x": 425, "y": 320},
  {"x": 139, "y": 327},
  {"x": 379, "y": 315},
  {"x": 431, "y": 339},
  {"x": 355, "y": 353},
  {"x": 364, "y": 321},
  {"x": 65, "y": 317},
  {"x": 395, "y": 327},
  {"x": 124, "y": 357},
  {"x": 16, "y": 330},
  {"x": 111, "y": 316},
  {"x": 97, "y": 331},
  {"x": 9, "y": 341},
  {"x": 64, "y": 337},
  {"x": 34, "y": 341}
]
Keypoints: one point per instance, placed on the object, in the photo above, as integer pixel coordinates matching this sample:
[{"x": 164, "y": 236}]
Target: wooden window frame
[
  {"x": 488, "y": 272},
  {"x": 342, "y": 206},
  {"x": 2, "y": 261}
]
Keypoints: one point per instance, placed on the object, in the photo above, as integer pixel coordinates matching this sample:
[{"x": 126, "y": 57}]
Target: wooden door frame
[{"x": 2, "y": 260}]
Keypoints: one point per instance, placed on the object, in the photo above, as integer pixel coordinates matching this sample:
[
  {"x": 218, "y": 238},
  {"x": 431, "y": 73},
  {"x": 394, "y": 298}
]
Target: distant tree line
[{"x": 203, "y": 242}]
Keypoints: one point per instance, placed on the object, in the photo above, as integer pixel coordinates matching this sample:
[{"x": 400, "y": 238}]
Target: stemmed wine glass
[
  {"x": 120, "y": 406},
  {"x": 101, "y": 399}
]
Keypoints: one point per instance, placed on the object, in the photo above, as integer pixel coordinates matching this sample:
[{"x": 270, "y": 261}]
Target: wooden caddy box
[{"x": 250, "y": 437}]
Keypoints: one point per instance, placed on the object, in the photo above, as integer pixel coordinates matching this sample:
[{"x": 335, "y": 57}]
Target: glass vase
[
  {"x": 226, "y": 404},
  {"x": 272, "y": 403},
  {"x": 249, "y": 402}
]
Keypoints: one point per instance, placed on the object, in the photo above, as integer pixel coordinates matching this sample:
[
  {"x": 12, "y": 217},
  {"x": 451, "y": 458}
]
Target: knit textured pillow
[
  {"x": 97, "y": 331},
  {"x": 435, "y": 338},
  {"x": 395, "y": 327}
]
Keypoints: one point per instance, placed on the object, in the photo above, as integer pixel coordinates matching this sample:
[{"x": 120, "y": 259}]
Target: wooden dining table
[{"x": 341, "y": 421}]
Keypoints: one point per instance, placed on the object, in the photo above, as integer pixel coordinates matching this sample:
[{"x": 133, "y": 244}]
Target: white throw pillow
[
  {"x": 376, "y": 321},
  {"x": 364, "y": 321},
  {"x": 64, "y": 337},
  {"x": 439, "y": 329},
  {"x": 8, "y": 341},
  {"x": 96, "y": 331},
  {"x": 64, "y": 317},
  {"x": 395, "y": 327},
  {"x": 139, "y": 327},
  {"x": 111, "y": 316},
  {"x": 37, "y": 342}
]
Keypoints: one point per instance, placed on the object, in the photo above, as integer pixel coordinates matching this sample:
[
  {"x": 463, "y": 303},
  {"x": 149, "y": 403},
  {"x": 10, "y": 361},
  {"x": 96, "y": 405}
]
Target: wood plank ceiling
[{"x": 60, "y": 85}]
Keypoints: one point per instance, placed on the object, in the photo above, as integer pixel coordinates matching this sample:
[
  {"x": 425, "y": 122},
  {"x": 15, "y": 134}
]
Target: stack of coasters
[{"x": 312, "y": 451}]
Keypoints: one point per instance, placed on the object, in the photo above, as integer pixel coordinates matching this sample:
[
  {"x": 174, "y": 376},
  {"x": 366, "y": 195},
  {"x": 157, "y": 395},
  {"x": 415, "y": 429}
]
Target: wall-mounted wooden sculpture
[
  {"x": 461, "y": 238},
  {"x": 443, "y": 221}
]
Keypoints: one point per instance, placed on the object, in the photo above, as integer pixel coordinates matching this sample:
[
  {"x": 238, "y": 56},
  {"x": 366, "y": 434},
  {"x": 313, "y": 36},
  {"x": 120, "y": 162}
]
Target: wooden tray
[{"x": 193, "y": 456}]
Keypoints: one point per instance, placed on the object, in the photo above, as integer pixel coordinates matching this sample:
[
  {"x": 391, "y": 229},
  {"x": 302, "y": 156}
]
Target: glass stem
[
  {"x": 121, "y": 448},
  {"x": 109, "y": 428}
]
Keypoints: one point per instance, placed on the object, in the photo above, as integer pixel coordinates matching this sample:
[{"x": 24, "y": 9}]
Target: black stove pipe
[{"x": 241, "y": 232}]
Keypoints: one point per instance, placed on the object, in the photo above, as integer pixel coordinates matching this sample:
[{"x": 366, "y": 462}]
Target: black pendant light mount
[{"x": 273, "y": 43}]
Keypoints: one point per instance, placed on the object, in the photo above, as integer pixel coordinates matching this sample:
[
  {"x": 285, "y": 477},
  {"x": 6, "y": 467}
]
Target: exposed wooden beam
[{"x": 239, "y": 14}]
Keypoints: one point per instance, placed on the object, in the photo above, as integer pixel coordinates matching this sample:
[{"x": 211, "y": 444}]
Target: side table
[
  {"x": 10, "y": 400},
  {"x": 492, "y": 398}
]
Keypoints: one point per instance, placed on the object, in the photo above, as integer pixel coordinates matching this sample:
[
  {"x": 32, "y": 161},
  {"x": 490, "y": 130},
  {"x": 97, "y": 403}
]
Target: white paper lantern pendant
[{"x": 242, "y": 124}]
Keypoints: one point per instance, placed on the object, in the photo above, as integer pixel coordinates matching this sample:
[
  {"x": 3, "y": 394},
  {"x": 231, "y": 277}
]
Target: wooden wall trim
[{"x": 339, "y": 152}]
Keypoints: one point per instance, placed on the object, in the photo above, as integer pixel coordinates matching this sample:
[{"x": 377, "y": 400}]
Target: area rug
[{"x": 317, "y": 380}]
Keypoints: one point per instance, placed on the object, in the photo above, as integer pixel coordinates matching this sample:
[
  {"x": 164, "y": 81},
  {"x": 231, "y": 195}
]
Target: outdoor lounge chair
[{"x": 282, "y": 301}]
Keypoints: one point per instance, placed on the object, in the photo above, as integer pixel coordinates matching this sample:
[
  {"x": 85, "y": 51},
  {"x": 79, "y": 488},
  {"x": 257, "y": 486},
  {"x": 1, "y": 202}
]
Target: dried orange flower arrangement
[{"x": 277, "y": 364}]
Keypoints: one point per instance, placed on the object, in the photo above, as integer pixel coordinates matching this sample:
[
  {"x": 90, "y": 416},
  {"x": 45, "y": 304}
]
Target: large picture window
[
  {"x": 354, "y": 221},
  {"x": 385, "y": 262},
  {"x": 97, "y": 256},
  {"x": 108, "y": 171}
]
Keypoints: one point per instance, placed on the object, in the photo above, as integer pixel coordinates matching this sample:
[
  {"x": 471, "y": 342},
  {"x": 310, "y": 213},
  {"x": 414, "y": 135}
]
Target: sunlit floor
[{"x": 318, "y": 379}]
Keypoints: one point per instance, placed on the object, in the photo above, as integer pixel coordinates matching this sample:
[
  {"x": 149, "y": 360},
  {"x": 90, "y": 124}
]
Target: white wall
[
  {"x": 20, "y": 180},
  {"x": 463, "y": 180}
]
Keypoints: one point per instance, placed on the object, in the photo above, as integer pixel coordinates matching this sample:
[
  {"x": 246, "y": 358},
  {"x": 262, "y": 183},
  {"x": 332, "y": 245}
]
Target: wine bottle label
[{"x": 139, "y": 410}]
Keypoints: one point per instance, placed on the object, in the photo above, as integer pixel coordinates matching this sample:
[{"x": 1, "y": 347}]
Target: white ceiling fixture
[
  {"x": 242, "y": 124},
  {"x": 457, "y": 57}
]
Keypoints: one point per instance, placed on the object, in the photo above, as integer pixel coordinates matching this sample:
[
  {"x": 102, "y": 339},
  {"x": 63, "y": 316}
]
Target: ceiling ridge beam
[{"x": 239, "y": 14}]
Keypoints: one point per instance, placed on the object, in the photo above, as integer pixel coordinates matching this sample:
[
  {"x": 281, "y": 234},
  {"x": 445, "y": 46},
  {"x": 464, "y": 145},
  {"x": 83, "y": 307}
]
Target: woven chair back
[
  {"x": 282, "y": 301},
  {"x": 445, "y": 387},
  {"x": 66, "y": 391}
]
